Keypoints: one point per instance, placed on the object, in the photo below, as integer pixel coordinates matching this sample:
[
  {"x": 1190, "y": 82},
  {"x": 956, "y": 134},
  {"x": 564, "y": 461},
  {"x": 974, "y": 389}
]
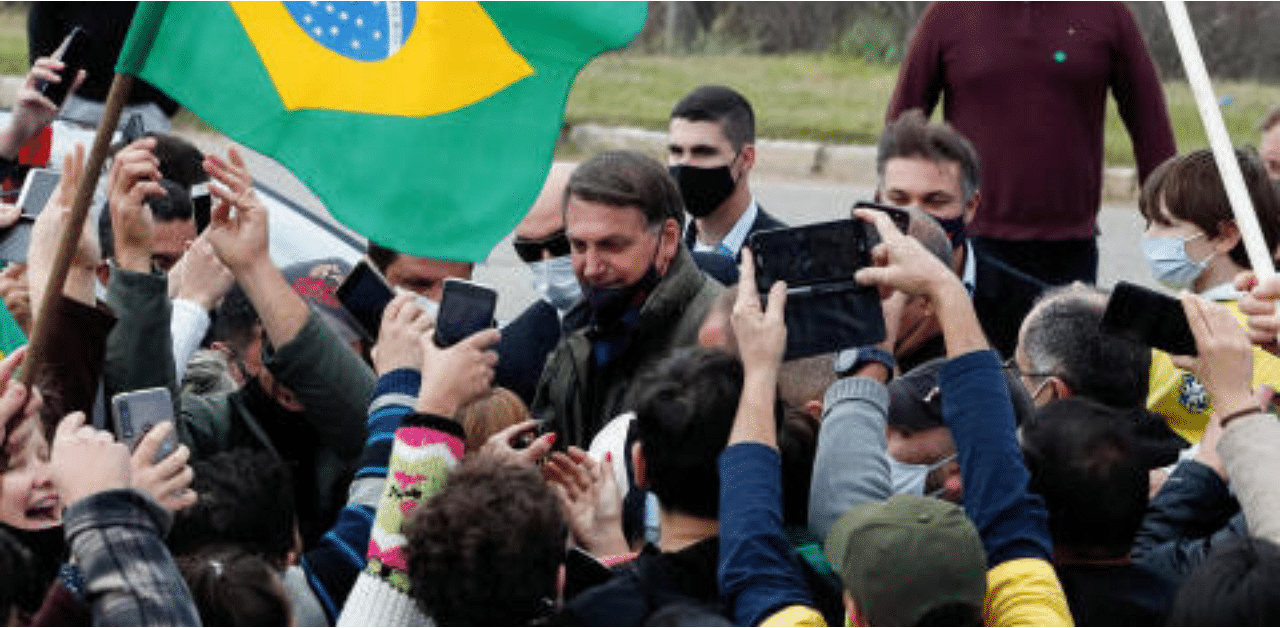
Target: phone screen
[
  {"x": 36, "y": 190},
  {"x": 465, "y": 308},
  {"x": 365, "y": 294},
  {"x": 823, "y": 253},
  {"x": 1149, "y": 317}
]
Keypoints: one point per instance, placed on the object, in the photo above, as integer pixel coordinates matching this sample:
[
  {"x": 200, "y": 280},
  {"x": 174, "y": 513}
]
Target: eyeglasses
[
  {"x": 557, "y": 244},
  {"x": 1012, "y": 365}
]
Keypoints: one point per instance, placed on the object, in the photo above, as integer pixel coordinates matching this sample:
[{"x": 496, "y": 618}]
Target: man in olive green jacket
[
  {"x": 305, "y": 400},
  {"x": 642, "y": 293}
]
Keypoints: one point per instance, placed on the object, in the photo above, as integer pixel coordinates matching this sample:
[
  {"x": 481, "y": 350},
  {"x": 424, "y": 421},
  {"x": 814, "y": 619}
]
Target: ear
[
  {"x": 1228, "y": 237},
  {"x": 813, "y": 408},
  {"x": 639, "y": 469},
  {"x": 669, "y": 245},
  {"x": 748, "y": 157},
  {"x": 561, "y": 580},
  {"x": 104, "y": 272},
  {"x": 971, "y": 207},
  {"x": 1060, "y": 388}
]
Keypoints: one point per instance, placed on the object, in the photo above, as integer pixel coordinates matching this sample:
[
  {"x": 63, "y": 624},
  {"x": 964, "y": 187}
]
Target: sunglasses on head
[{"x": 557, "y": 244}]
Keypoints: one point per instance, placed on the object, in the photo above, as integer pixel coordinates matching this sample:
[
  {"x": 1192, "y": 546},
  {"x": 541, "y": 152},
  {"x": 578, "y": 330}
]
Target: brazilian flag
[{"x": 427, "y": 127}]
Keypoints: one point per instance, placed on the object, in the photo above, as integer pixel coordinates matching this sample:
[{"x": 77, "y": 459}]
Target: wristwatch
[{"x": 848, "y": 362}]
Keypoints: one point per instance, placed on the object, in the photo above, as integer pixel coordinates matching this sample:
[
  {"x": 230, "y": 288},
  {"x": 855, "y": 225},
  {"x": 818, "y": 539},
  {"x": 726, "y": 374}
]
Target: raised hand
[
  {"x": 199, "y": 276},
  {"x": 238, "y": 222},
  {"x": 85, "y": 460},
  {"x": 32, "y": 111},
  {"x": 591, "y": 500},
  {"x": 46, "y": 236},
  {"x": 453, "y": 377},
  {"x": 404, "y": 325},
  {"x": 135, "y": 177},
  {"x": 168, "y": 479}
]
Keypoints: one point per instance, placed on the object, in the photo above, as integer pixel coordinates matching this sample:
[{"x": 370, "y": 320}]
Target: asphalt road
[
  {"x": 795, "y": 201},
  {"x": 808, "y": 201}
]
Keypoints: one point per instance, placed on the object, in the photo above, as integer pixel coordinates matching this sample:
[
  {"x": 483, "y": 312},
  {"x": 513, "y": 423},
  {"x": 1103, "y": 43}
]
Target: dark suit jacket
[
  {"x": 522, "y": 352},
  {"x": 716, "y": 266},
  {"x": 1002, "y": 296}
]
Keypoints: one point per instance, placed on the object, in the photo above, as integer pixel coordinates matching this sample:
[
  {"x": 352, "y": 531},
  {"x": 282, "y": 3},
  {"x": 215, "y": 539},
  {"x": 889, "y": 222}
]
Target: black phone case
[
  {"x": 365, "y": 296},
  {"x": 826, "y": 309},
  {"x": 456, "y": 319},
  {"x": 74, "y": 59},
  {"x": 1148, "y": 317}
]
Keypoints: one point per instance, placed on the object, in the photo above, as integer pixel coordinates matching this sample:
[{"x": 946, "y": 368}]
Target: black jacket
[{"x": 651, "y": 582}]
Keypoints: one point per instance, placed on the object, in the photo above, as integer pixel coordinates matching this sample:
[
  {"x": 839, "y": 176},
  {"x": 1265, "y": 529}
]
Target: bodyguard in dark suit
[
  {"x": 710, "y": 151},
  {"x": 934, "y": 168}
]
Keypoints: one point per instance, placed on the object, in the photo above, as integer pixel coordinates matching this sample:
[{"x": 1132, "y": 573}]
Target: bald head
[
  {"x": 927, "y": 231},
  {"x": 546, "y": 216}
]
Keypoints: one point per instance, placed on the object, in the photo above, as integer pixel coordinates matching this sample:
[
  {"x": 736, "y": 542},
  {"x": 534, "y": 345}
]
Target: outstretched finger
[
  {"x": 747, "y": 281},
  {"x": 1196, "y": 318}
]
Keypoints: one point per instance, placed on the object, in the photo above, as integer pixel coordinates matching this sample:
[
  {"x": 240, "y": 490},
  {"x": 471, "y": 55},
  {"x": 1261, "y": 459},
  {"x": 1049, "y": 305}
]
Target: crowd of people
[{"x": 633, "y": 448}]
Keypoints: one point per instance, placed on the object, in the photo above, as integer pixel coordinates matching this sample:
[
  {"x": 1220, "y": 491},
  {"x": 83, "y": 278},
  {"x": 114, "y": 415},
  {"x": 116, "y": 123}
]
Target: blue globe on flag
[{"x": 363, "y": 31}]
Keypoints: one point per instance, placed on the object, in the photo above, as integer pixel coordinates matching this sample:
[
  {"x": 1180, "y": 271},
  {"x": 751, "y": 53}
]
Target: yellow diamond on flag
[{"x": 385, "y": 58}]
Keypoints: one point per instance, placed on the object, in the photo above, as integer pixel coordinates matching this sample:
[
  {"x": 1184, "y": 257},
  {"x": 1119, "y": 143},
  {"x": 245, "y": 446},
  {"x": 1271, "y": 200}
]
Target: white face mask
[
  {"x": 910, "y": 479},
  {"x": 1170, "y": 264},
  {"x": 554, "y": 280},
  {"x": 432, "y": 308}
]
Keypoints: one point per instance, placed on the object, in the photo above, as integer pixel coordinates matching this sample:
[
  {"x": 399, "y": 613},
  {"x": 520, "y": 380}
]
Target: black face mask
[
  {"x": 955, "y": 229},
  {"x": 608, "y": 304},
  {"x": 703, "y": 189}
]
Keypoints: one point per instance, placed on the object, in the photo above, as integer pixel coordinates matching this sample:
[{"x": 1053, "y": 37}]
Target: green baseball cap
[{"x": 902, "y": 558}]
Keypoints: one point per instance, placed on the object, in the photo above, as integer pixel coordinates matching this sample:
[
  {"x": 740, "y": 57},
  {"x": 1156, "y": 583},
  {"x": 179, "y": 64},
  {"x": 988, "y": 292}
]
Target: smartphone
[
  {"x": 465, "y": 308},
  {"x": 137, "y": 411},
  {"x": 826, "y": 309},
  {"x": 901, "y": 218},
  {"x": 812, "y": 258},
  {"x": 365, "y": 294},
  {"x": 1150, "y": 318},
  {"x": 36, "y": 190},
  {"x": 73, "y": 52}
]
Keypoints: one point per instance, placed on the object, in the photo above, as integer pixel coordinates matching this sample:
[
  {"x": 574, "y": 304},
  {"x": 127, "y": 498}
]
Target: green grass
[{"x": 838, "y": 100}]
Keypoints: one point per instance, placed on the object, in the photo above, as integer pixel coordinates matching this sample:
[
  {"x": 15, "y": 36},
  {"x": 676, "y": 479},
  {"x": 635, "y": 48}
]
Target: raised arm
[{"x": 758, "y": 577}]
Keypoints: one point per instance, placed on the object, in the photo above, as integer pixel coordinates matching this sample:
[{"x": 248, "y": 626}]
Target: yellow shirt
[
  {"x": 1181, "y": 399},
  {"x": 1020, "y": 592}
]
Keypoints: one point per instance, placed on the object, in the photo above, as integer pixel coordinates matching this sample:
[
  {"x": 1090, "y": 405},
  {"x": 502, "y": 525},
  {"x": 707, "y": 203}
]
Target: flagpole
[
  {"x": 38, "y": 346},
  {"x": 1246, "y": 220}
]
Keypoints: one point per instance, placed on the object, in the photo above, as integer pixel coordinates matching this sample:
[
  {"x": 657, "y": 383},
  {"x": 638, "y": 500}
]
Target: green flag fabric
[{"x": 426, "y": 127}]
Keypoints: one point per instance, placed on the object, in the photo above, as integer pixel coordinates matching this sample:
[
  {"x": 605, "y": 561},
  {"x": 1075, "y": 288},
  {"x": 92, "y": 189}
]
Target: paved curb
[{"x": 839, "y": 163}]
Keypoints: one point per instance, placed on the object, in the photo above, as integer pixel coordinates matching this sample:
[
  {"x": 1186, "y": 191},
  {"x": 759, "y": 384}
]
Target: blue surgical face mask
[
  {"x": 1170, "y": 264},
  {"x": 554, "y": 280}
]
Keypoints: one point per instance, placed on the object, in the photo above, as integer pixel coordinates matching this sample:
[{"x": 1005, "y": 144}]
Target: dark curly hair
[{"x": 485, "y": 551}]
